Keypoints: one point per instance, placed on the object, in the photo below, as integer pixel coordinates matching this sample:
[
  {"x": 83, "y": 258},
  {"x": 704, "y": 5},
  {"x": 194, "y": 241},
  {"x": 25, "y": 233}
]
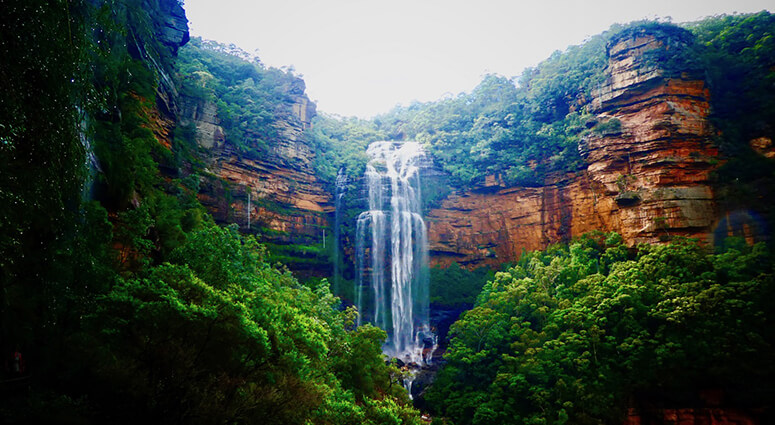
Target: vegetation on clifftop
[
  {"x": 504, "y": 126},
  {"x": 250, "y": 97},
  {"x": 521, "y": 128}
]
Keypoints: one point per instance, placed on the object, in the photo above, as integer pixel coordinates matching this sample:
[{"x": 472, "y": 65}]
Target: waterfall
[
  {"x": 341, "y": 189},
  {"x": 249, "y": 206},
  {"x": 91, "y": 162},
  {"x": 397, "y": 249}
]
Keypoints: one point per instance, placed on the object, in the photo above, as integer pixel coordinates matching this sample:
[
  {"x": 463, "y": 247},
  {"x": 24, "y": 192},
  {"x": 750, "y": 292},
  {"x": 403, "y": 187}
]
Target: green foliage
[
  {"x": 457, "y": 287},
  {"x": 610, "y": 126},
  {"x": 134, "y": 307},
  {"x": 123, "y": 141},
  {"x": 738, "y": 52},
  {"x": 250, "y": 98},
  {"x": 678, "y": 58},
  {"x": 236, "y": 340},
  {"x": 579, "y": 333},
  {"x": 340, "y": 143},
  {"x": 519, "y": 130},
  {"x": 41, "y": 155},
  {"x": 219, "y": 335},
  {"x": 300, "y": 256}
]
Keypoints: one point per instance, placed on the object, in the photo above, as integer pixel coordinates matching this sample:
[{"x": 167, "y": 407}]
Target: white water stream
[{"x": 392, "y": 251}]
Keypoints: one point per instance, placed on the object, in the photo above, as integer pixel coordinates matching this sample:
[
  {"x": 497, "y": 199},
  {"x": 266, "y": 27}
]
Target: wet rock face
[
  {"x": 204, "y": 115},
  {"x": 647, "y": 174},
  {"x": 174, "y": 31}
]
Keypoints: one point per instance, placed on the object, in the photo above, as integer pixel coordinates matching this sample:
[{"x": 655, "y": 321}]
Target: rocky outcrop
[
  {"x": 170, "y": 27},
  {"x": 275, "y": 194},
  {"x": 173, "y": 26},
  {"x": 647, "y": 172},
  {"x": 763, "y": 146},
  {"x": 480, "y": 228},
  {"x": 657, "y": 165},
  {"x": 203, "y": 114},
  {"x": 285, "y": 196}
]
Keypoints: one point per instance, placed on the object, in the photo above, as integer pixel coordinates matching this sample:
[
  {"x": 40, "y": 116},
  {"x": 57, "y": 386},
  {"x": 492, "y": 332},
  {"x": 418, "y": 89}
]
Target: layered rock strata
[
  {"x": 646, "y": 176},
  {"x": 276, "y": 194}
]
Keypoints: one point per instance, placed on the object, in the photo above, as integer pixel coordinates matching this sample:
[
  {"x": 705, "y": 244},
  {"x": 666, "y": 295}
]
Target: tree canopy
[{"x": 580, "y": 332}]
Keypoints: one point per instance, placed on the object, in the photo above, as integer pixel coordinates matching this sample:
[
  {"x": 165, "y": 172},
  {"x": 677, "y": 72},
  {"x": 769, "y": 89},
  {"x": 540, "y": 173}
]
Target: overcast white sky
[{"x": 362, "y": 57}]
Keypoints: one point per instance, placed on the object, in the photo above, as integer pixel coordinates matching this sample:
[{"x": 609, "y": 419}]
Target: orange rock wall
[
  {"x": 648, "y": 179},
  {"x": 288, "y": 204}
]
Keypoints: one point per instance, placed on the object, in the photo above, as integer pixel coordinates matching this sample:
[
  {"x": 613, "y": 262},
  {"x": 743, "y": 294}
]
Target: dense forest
[
  {"x": 127, "y": 303},
  {"x": 122, "y": 300},
  {"x": 580, "y": 332}
]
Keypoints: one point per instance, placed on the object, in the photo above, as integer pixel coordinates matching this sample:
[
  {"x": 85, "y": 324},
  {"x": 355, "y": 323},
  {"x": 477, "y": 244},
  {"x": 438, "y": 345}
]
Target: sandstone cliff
[
  {"x": 647, "y": 169},
  {"x": 276, "y": 195},
  {"x": 171, "y": 30}
]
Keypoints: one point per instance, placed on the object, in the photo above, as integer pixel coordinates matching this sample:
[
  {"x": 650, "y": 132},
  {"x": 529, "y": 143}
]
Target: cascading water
[
  {"x": 250, "y": 208},
  {"x": 392, "y": 235},
  {"x": 91, "y": 161},
  {"x": 341, "y": 189}
]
